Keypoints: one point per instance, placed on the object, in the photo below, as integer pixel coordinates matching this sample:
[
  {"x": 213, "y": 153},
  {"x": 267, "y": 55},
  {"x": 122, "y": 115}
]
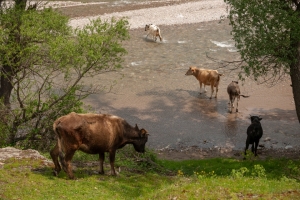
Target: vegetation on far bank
[{"x": 143, "y": 176}]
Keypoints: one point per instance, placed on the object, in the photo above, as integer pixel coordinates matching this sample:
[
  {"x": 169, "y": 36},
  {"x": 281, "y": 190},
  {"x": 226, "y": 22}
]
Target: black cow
[{"x": 254, "y": 133}]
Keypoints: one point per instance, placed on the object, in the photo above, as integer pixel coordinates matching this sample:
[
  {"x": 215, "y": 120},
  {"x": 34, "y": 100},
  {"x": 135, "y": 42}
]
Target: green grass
[{"x": 159, "y": 179}]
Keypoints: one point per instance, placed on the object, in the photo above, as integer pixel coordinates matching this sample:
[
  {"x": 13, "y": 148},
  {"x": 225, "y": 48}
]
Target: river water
[{"x": 151, "y": 90}]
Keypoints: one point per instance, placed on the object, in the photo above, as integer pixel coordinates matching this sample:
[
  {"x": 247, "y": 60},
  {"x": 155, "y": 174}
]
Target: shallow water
[{"x": 152, "y": 90}]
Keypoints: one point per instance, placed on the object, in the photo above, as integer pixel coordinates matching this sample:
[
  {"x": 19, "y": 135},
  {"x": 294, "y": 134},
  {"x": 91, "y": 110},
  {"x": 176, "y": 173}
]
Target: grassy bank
[{"x": 150, "y": 178}]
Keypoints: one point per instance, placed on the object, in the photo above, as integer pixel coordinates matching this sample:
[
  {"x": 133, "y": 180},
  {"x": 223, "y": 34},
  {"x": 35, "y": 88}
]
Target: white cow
[{"x": 154, "y": 31}]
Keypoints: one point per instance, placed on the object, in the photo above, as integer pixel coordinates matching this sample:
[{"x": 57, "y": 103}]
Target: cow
[
  {"x": 93, "y": 134},
  {"x": 206, "y": 77},
  {"x": 234, "y": 92},
  {"x": 254, "y": 133},
  {"x": 154, "y": 31}
]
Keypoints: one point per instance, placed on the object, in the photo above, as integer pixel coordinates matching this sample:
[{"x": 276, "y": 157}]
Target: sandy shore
[{"x": 186, "y": 13}]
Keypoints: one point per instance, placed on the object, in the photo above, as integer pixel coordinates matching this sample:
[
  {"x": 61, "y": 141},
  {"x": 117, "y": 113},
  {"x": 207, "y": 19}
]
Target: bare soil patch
[{"x": 197, "y": 154}]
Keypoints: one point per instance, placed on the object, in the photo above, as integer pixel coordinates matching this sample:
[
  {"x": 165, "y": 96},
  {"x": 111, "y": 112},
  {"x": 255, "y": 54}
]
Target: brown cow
[
  {"x": 93, "y": 134},
  {"x": 233, "y": 91},
  {"x": 207, "y": 77}
]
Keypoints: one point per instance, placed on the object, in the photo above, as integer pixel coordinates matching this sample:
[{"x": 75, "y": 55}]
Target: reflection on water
[{"x": 231, "y": 126}]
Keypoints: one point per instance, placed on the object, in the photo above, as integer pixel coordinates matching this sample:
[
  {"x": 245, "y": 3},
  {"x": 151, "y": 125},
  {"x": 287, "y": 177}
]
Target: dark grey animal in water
[
  {"x": 234, "y": 92},
  {"x": 254, "y": 133}
]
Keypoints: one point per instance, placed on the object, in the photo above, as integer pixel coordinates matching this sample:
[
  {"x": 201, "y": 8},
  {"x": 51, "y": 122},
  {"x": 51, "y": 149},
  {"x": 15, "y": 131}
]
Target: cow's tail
[
  {"x": 218, "y": 80},
  {"x": 244, "y": 96},
  {"x": 61, "y": 154}
]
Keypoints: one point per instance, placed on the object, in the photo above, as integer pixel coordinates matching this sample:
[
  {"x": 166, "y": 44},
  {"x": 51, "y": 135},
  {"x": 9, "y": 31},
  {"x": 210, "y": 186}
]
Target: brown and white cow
[
  {"x": 234, "y": 92},
  {"x": 154, "y": 31},
  {"x": 206, "y": 77},
  {"x": 93, "y": 134}
]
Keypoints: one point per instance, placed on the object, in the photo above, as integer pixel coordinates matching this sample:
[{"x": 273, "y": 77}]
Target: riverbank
[{"x": 164, "y": 13}]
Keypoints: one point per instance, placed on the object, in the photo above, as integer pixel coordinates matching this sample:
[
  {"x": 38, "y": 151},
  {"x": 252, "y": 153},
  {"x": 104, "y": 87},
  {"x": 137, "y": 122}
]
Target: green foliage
[
  {"x": 250, "y": 155},
  {"x": 239, "y": 173},
  {"x": 47, "y": 62},
  {"x": 19, "y": 177},
  {"x": 258, "y": 171},
  {"x": 265, "y": 33}
]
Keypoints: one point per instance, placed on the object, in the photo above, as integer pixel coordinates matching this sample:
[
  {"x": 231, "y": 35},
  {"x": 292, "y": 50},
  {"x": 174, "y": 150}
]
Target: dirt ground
[{"x": 196, "y": 154}]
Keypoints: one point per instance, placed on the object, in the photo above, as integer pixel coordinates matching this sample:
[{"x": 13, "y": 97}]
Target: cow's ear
[
  {"x": 136, "y": 127},
  {"x": 259, "y": 118},
  {"x": 143, "y": 132}
]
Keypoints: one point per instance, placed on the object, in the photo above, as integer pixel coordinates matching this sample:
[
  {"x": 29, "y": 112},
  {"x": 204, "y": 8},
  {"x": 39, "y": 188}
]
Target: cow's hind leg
[
  {"x": 230, "y": 105},
  {"x": 237, "y": 104},
  {"x": 54, "y": 155},
  {"x": 112, "y": 154},
  {"x": 217, "y": 89},
  {"x": 66, "y": 162},
  {"x": 101, "y": 159},
  {"x": 252, "y": 148},
  {"x": 255, "y": 148},
  {"x": 246, "y": 148},
  {"x": 212, "y": 91}
]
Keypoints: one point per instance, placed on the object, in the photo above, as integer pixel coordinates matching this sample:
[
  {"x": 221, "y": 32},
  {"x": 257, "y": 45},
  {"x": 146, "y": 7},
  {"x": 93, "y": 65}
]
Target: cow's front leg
[
  {"x": 237, "y": 104},
  {"x": 112, "y": 154},
  {"x": 201, "y": 87},
  {"x": 101, "y": 159}
]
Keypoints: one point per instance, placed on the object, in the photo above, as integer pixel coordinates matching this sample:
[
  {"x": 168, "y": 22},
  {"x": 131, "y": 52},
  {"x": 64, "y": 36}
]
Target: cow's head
[
  {"x": 139, "y": 144},
  {"x": 147, "y": 27},
  {"x": 255, "y": 119},
  {"x": 191, "y": 71}
]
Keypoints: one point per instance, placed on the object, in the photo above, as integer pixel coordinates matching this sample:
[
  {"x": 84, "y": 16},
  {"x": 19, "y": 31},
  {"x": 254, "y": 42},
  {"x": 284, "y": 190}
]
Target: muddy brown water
[{"x": 151, "y": 90}]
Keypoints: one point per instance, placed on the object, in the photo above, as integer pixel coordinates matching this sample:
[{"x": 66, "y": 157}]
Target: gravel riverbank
[{"x": 185, "y": 13}]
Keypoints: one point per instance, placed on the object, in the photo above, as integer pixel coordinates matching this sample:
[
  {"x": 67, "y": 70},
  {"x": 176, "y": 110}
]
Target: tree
[
  {"x": 267, "y": 35},
  {"x": 43, "y": 62}
]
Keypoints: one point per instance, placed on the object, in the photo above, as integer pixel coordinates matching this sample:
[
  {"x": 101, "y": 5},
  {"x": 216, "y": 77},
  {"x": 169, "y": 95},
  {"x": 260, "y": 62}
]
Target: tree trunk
[
  {"x": 295, "y": 77},
  {"x": 6, "y": 85}
]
